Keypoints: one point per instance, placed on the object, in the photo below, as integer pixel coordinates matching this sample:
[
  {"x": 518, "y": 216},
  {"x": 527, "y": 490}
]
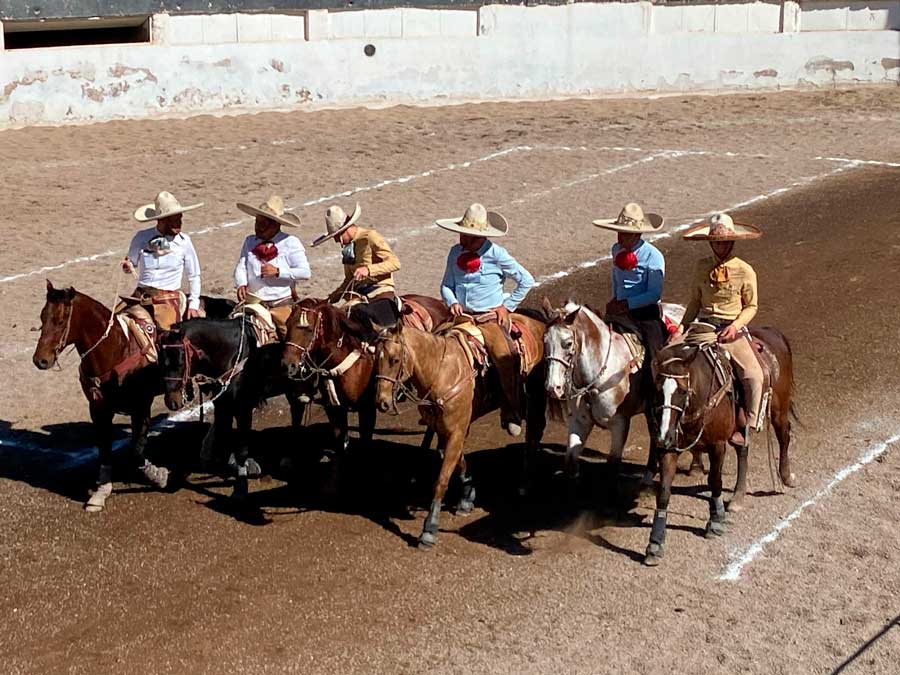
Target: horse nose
[
  {"x": 557, "y": 392},
  {"x": 172, "y": 403},
  {"x": 43, "y": 364},
  {"x": 383, "y": 406},
  {"x": 290, "y": 368}
]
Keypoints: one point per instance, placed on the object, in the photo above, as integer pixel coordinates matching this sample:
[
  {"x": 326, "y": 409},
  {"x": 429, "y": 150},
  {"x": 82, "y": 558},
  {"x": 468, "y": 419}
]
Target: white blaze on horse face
[
  {"x": 669, "y": 387},
  {"x": 557, "y": 339}
]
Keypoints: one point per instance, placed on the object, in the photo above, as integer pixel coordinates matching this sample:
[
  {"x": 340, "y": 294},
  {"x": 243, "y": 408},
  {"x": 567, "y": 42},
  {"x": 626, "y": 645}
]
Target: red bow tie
[
  {"x": 626, "y": 260},
  {"x": 469, "y": 262},
  {"x": 265, "y": 251}
]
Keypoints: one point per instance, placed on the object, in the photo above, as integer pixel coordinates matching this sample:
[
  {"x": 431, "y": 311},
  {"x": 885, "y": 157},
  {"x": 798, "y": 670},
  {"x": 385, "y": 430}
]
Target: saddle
[
  {"x": 416, "y": 316},
  {"x": 260, "y": 319},
  {"x": 526, "y": 344},
  {"x": 471, "y": 339},
  {"x": 628, "y": 329}
]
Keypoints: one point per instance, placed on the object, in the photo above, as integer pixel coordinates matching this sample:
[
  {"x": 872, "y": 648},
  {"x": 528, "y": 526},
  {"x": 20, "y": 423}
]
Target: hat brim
[
  {"x": 288, "y": 219},
  {"x": 147, "y": 212},
  {"x": 741, "y": 232},
  {"x": 351, "y": 220},
  {"x": 497, "y": 226},
  {"x": 652, "y": 222}
]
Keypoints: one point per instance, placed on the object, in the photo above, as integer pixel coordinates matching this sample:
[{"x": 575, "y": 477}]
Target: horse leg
[
  {"x": 696, "y": 463},
  {"x": 102, "y": 420},
  {"x": 580, "y": 426},
  {"x": 736, "y": 503},
  {"x": 367, "y": 416},
  {"x": 668, "y": 463},
  {"x": 535, "y": 424},
  {"x": 217, "y": 432},
  {"x": 157, "y": 476},
  {"x": 337, "y": 416},
  {"x": 452, "y": 452},
  {"x": 246, "y": 466},
  {"x": 781, "y": 420},
  {"x": 716, "y": 525},
  {"x": 467, "y": 494}
]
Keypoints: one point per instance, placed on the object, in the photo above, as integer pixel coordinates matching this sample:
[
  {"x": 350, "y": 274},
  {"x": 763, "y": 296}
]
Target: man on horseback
[
  {"x": 473, "y": 284},
  {"x": 637, "y": 276},
  {"x": 724, "y": 295},
  {"x": 271, "y": 262},
  {"x": 158, "y": 256},
  {"x": 369, "y": 266}
]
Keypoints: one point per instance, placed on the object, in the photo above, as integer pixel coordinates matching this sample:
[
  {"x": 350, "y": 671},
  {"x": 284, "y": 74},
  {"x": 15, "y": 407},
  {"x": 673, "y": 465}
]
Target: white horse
[{"x": 590, "y": 367}]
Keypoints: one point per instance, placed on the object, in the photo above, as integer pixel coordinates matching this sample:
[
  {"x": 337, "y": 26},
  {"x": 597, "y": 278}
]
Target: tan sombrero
[
  {"x": 721, "y": 227},
  {"x": 336, "y": 222},
  {"x": 633, "y": 220},
  {"x": 477, "y": 222},
  {"x": 164, "y": 205},
  {"x": 273, "y": 209}
]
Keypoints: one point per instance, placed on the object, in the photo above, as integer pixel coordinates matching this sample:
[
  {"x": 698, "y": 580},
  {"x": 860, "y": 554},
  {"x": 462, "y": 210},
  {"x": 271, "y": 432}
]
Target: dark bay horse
[
  {"x": 325, "y": 348},
  {"x": 114, "y": 376},
  {"x": 698, "y": 412},
  {"x": 222, "y": 356},
  {"x": 451, "y": 394}
]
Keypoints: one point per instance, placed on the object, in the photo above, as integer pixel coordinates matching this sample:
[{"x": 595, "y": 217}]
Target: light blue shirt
[
  {"x": 481, "y": 291},
  {"x": 643, "y": 285}
]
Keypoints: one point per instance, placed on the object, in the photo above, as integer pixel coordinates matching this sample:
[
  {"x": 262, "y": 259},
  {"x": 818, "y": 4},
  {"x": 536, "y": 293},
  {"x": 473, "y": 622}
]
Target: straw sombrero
[
  {"x": 633, "y": 220},
  {"x": 336, "y": 222},
  {"x": 273, "y": 209},
  {"x": 721, "y": 227},
  {"x": 477, "y": 222},
  {"x": 164, "y": 205}
]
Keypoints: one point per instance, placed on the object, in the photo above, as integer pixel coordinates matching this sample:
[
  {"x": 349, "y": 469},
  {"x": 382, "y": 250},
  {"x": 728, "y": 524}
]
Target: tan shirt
[
  {"x": 370, "y": 250},
  {"x": 732, "y": 300}
]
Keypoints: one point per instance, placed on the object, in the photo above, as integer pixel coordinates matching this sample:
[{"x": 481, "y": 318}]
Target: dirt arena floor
[{"x": 323, "y": 575}]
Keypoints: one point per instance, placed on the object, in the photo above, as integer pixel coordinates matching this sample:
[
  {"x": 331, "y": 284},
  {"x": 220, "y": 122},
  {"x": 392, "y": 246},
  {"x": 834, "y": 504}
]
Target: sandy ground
[{"x": 324, "y": 582}]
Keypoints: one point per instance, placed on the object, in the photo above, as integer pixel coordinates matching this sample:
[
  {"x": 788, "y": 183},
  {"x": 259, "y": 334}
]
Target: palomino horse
[
  {"x": 222, "y": 357},
  {"x": 324, "y": 348},
  {"x": 450, "y": 394},
  {"x": 114, "y": 376},
  {"x": 591, "y": 367},
  {"x": 698, "y": 410}
]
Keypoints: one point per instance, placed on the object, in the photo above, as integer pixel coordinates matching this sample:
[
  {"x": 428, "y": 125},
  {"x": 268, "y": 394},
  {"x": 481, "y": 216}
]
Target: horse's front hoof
[
  {"x": 653, "y": 555},
  {"x": 514, "y": 429},
  {"x": 465, "y": 507},
  {"x": 158, "y": 476},
  {"x": 427, "y": 540},
  {"x": 714, "y": 528},
  {"x": 254, "y": 470},
  {"x": 97, "y": 499},
  {"x": 736, "y": 506},
  {"x": 790, "y": 481}
]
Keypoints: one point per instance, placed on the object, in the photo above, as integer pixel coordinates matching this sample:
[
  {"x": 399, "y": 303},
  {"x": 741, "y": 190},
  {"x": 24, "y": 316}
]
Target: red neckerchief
[
  {"x": 265, "y": 251},
  {"x": 626, "y": 260},
  {"x": 469, "y": 261}
]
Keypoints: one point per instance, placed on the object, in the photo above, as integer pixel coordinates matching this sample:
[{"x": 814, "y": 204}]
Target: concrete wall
[{"x": 213, "y": 63}]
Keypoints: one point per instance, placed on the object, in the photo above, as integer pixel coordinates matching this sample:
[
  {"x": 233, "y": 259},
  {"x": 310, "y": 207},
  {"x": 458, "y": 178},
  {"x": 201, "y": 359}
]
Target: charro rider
[
  {"x": 271, "y": 261},
  {"x": 158, "y": 256},
  {"x": 369, "y": 266},
  {"x": 473, "y": 284},
  {"x": 724, "y": 294},
  {"x": 638, "y": 272}
]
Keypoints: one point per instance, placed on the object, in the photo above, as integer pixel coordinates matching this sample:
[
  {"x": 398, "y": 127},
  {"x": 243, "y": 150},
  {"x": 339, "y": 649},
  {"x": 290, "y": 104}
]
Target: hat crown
[
  {"x": 475, "y": 218},
  {"x": 721, "y": 224},
  {"x": 335, "y": 217},
  {"x": 632, "y": 214},
  {"x": 274, "y": 205},
  {"x": 165, "y": 202}
]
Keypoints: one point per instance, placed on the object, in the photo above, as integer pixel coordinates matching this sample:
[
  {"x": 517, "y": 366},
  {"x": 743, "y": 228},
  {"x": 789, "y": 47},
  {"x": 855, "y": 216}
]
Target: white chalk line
[{"x": 733, "y": 571}]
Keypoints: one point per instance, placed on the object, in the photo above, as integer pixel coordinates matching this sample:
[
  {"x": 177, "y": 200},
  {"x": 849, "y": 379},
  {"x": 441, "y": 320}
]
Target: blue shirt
[
  {"x": 643, "y": 285},
  {"x": 483, "y": 290}
]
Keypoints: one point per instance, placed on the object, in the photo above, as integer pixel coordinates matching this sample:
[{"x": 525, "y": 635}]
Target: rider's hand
[
  {"x": 361, "y": 273},
  {"x": 241, "y": 293},
  {"x": 192, "y": 314},
  {"x": 268, "y": 270},
  {"x": 502, "y": 315},
  {"x": 729, "y": 334},
  {"x": 127, "y": 267},
  {"x": 456, "y": 309}
]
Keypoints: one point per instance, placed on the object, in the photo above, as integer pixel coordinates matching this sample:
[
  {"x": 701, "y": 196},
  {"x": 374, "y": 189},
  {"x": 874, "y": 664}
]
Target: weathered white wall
[{"x": 214, "y": 63}]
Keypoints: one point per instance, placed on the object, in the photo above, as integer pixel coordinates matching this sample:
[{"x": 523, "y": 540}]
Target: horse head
[
  {"x": 303, "y": 328},
  {"x": 393, "y": 367},
  {"x": 561, "y": 346},
  {"x": 56, "y": 326},
  {"x": 676, "y": 375},
  {"x": 175, "y": 356}
]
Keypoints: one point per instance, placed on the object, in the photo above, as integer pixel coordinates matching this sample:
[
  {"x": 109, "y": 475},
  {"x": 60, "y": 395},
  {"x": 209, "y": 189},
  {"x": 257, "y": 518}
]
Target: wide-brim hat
[
  {"x": 336, "y": 222},
  {"x": 721, "y": 227},
  {"x": 164, "y": 205},
  {"x": 273, "y": 209},
  {"x": 633, "y": 220},
  {"x": 477, "y": 222}
]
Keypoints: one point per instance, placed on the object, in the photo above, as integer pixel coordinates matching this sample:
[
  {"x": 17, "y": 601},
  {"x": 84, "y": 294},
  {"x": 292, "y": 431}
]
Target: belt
[
  {"x": 281, "y": 302},
  {"x": 149, "y": 295}
]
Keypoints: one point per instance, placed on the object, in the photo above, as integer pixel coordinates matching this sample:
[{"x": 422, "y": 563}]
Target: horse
[
  {"x": 591, "y": 368},
  {"x": 325, "y": 347},
  {"x": 115, "y": 377},
  {"x": 451, "y": 393},
  {"x": 223, "y": 357},
  {"x": 699, "y": 409}
]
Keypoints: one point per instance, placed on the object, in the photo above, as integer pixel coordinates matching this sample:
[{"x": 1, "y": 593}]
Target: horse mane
[
  {"x": 340, "y": 322},
  {"x": 61, "y": 294}
]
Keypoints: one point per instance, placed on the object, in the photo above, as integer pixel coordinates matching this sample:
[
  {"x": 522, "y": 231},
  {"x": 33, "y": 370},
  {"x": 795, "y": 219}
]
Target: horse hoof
[
  {"x": 514, "y": 429},
  {"x": 736, "y": 506},
  {"x": 158, "y": 476},
  {"x": 97, "y": 500},
  {"x": 791, "y": 480},
  {"x": 254, "y": 470},
  {"x": 465, "y": 507},
  {"x": 654, "y": 555},
  {"x": 714, "y": 529},
  {"x": 427, "y": 540}
]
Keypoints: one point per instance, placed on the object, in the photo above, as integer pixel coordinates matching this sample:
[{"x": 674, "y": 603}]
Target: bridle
[
  {"x": 189, "y": 352},
  {"x": 64, "y": 338},
  {"x": 680, "y": 418},
  {"x": 309, "y": 368}
]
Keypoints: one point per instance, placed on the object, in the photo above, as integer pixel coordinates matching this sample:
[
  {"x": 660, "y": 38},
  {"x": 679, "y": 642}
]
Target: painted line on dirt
[
  {"x": 733, "y": 571},
  {"x": 803, "y": 182},
  {"x": 867, "y": 162}
]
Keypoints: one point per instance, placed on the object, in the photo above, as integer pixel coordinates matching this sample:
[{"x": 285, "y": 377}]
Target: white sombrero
[
  {"x": 336, "y": 222},
  {"x": 477, "y": 222},
  {"x": 164, "y": 205},
  {"x": 721, "y": 227},
  {"x": 273, "y": 209},
  {"x": 632, "y": 219}
]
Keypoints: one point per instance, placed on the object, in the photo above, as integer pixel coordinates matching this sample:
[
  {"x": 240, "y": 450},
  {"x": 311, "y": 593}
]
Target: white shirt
[
  {"x": 164, "y": 271},
  {"x": 291, "y": 263}
]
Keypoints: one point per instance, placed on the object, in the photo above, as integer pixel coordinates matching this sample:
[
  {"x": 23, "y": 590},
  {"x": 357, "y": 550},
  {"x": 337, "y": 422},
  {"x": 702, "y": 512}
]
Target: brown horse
[
  {"x": 698, "y": 412},
  {"x": 324, "y": 347},
  {"x": 451, "y": 394},
  {"x": 115, "y": 378}
]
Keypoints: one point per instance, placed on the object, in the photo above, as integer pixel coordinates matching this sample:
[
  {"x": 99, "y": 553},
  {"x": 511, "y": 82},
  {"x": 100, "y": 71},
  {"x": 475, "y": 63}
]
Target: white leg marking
[{"x": 669, "y": 387}]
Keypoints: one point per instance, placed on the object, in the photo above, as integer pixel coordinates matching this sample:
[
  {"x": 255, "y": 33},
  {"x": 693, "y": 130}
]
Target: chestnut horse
[
  {"x": 451, "y": 394},
  {"x": 698, "y": 413},
  {"x": 324, "y": 347},
  {"x": 114, "y": 376}
]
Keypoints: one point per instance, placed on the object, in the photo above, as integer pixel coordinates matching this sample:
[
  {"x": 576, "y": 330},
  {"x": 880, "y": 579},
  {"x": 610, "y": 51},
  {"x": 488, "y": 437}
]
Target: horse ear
[
  {"x": 49, "y": 285},
  {"x": 547, "y": 306},
  {"x": 70, "y": 293},
  {"x": 570, "y": 317}
]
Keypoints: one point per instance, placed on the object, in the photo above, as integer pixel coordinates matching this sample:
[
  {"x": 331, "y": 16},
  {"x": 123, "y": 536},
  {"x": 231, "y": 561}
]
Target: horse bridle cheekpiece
[
  {"x": 398, "y": 384},
  {"x": 64, "y": 338},
  {"x": 190, "y": 352}
]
